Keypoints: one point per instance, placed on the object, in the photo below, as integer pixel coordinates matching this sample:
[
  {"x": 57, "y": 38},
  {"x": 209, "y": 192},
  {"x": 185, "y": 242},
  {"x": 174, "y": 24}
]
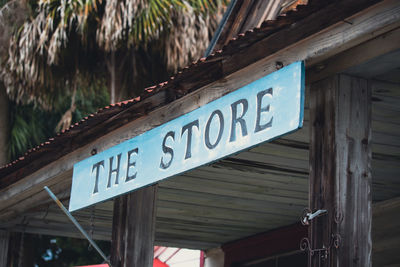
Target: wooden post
[
  {"x": 4, "y": 242},
  {"x": 340, "y": 170},
  {"x": 133, "y": 229}
]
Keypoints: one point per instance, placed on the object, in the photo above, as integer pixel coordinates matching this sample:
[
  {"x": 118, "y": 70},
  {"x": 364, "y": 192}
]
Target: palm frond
[
  {"x": 44, "y": 53},
  {"x": 191, "y": 32}
]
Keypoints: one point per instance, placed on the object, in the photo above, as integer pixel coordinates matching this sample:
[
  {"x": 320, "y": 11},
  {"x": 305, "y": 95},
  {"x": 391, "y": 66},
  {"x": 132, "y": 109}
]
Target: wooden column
[
  {"x": 340, "y": 170},
  {"x": 4, "y": 242},
  {"x": 133, "y": 229}
]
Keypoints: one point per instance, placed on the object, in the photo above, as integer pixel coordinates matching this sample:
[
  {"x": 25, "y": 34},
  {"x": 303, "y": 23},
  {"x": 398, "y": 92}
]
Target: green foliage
[
  {"x": 2, "y": 3},
  {"x": 31, "y": 125},
  {"x": 88, "y": 101}
]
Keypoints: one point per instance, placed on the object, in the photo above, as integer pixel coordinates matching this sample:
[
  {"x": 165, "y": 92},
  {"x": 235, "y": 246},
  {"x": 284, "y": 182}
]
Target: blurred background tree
[
  {"x": 61, "y": 60},
  {"x": 64, "y": 47}
]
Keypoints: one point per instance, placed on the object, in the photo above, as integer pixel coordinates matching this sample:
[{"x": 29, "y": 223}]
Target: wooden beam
[
  {"x": 314, "y": 49},
  {"x": 383, "y": 44},
  {"x": 133, "y": 228},
  {"x": 340, "y": 170}
]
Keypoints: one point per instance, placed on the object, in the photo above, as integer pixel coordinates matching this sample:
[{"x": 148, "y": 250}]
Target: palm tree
[
  {"x": 12, "y": 15},
  {"x": 133, "y": 43},
  {"x": 65, "y": 39}
]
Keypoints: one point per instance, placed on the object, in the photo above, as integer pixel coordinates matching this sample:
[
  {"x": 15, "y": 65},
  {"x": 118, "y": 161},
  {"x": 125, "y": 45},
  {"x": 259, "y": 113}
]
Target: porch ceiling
[{"x": 254, "y": 191}]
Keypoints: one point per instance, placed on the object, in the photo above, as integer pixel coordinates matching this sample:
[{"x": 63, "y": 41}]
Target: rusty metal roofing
[{"x": 197, "y": 74}]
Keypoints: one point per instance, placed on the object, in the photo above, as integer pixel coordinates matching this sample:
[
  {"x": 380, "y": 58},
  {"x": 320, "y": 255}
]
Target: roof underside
[
  {"x": 251, "y": 192},
  {"x": 248, "y": 193}
]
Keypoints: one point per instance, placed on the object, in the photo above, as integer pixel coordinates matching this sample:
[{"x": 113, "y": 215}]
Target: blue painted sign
[{"x": 260, "y": 111}]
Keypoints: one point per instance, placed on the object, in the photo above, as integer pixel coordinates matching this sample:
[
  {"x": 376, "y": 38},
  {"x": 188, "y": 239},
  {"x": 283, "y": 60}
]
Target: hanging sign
[{"x": 260, "y": 111}]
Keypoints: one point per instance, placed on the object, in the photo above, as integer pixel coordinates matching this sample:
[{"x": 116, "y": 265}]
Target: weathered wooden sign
[{"x": 260, "y": 111}]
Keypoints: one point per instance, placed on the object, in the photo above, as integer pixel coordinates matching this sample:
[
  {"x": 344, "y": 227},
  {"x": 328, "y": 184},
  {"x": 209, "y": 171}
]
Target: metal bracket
[
  {"x": 305, "y": 244},
  {"x": 307, "y": 215},
  {"x": 322, "y": 253}
]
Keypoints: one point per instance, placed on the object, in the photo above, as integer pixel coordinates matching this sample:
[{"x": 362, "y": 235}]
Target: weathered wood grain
[
  {"x": 133, "y": 228},
  {"x": 215, "y": 187},
  {"x": 274, "y": 180},
  {"x": 361, "y": 53},
  {"x": 4, "y": 240},
  {"x": 230, "y": 203},
  {"x": 340, "y": 169}
]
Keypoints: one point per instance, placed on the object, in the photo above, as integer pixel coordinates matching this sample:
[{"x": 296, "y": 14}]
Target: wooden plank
[
  {"x": 229, "y": 229},
  {"x": 381, "y": 139},
  {"x": 238, "y": 177},
  {"x": 387, "y": 103},
  {"x": 361, "y": 53},
  {"x": 281, "y": 161},
  {"x": 386, "y": 127},
  {"x": 133, "y": 228},
  {"x": 288, "y": 150},
  {"x": 170, "y": 241},
  {"x": 166, "y": 225},
  {"x": 60, "y": 229},
  {"x": 220, "y": 213},
  {"x": 236, "y": 203},
  {"x": 386, "y": 232},
  {"x": 254, "y": 170},
  {"x": 209, "y": 235},
  {"x": 169, "y": 213},
  {"x": 384, "y": 88},
  {"x": 211, "y": 210},
  {"x": 215, "y": 187},
  {"x": 35, "y": 196},
  {"x": 258, "y": 167},
  {"x": 265, "y": 188},
  {"x": 340, "y": 170}
]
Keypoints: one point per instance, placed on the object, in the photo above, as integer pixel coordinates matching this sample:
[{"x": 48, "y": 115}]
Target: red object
[
  {"x": 202, "y": 258},
  {"x": 158, "y": 263}
]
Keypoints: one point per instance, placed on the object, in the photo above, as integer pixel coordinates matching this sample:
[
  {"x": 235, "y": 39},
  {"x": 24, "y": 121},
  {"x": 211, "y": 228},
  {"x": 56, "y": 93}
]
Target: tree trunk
[
  {"x": 118, "y": 72},
  {"x": 4, "y": 125}
]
